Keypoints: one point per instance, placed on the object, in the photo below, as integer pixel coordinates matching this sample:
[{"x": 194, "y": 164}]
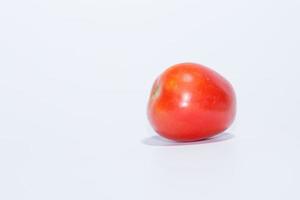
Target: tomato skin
[{"x": 191, "y": 102}]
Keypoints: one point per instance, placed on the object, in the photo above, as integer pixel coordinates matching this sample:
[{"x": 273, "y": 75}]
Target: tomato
[{"x": 190, "y": 102}]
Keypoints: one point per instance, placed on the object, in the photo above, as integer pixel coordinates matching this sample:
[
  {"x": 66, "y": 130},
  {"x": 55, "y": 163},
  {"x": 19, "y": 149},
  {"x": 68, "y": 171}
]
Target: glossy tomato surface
[{"x": 190, "y": 102}]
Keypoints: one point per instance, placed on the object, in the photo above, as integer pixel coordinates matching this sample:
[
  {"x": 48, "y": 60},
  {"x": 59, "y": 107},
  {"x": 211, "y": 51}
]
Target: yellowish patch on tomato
[{"x": 171, "y": 85}]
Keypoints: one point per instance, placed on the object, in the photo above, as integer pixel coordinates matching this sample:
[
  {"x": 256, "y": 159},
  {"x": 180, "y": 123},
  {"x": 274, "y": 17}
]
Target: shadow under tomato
[{"x": 160, "y": 141}]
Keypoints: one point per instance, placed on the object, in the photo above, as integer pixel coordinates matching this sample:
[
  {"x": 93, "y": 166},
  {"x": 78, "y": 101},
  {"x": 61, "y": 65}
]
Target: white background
[{"x": 74, "y": 82}]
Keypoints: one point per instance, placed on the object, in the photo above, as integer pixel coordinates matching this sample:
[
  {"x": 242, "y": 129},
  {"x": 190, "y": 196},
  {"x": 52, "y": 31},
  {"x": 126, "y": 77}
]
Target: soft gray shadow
[{"x": 159, "y": 141}]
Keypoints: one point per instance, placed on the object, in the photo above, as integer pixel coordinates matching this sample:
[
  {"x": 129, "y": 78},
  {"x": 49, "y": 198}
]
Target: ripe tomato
[{"x": 190, "y": 102}]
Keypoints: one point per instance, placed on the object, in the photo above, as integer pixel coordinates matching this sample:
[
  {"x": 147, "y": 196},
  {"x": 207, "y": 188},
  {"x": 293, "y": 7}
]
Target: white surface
[{"x": 74, "y": 83}]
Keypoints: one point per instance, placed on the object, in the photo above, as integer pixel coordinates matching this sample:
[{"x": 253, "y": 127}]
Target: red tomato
[{"x": 190, "y": 102}]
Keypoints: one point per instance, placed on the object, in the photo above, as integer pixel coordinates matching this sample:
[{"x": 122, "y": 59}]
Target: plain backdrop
[{"x": 75, "y": 76}]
